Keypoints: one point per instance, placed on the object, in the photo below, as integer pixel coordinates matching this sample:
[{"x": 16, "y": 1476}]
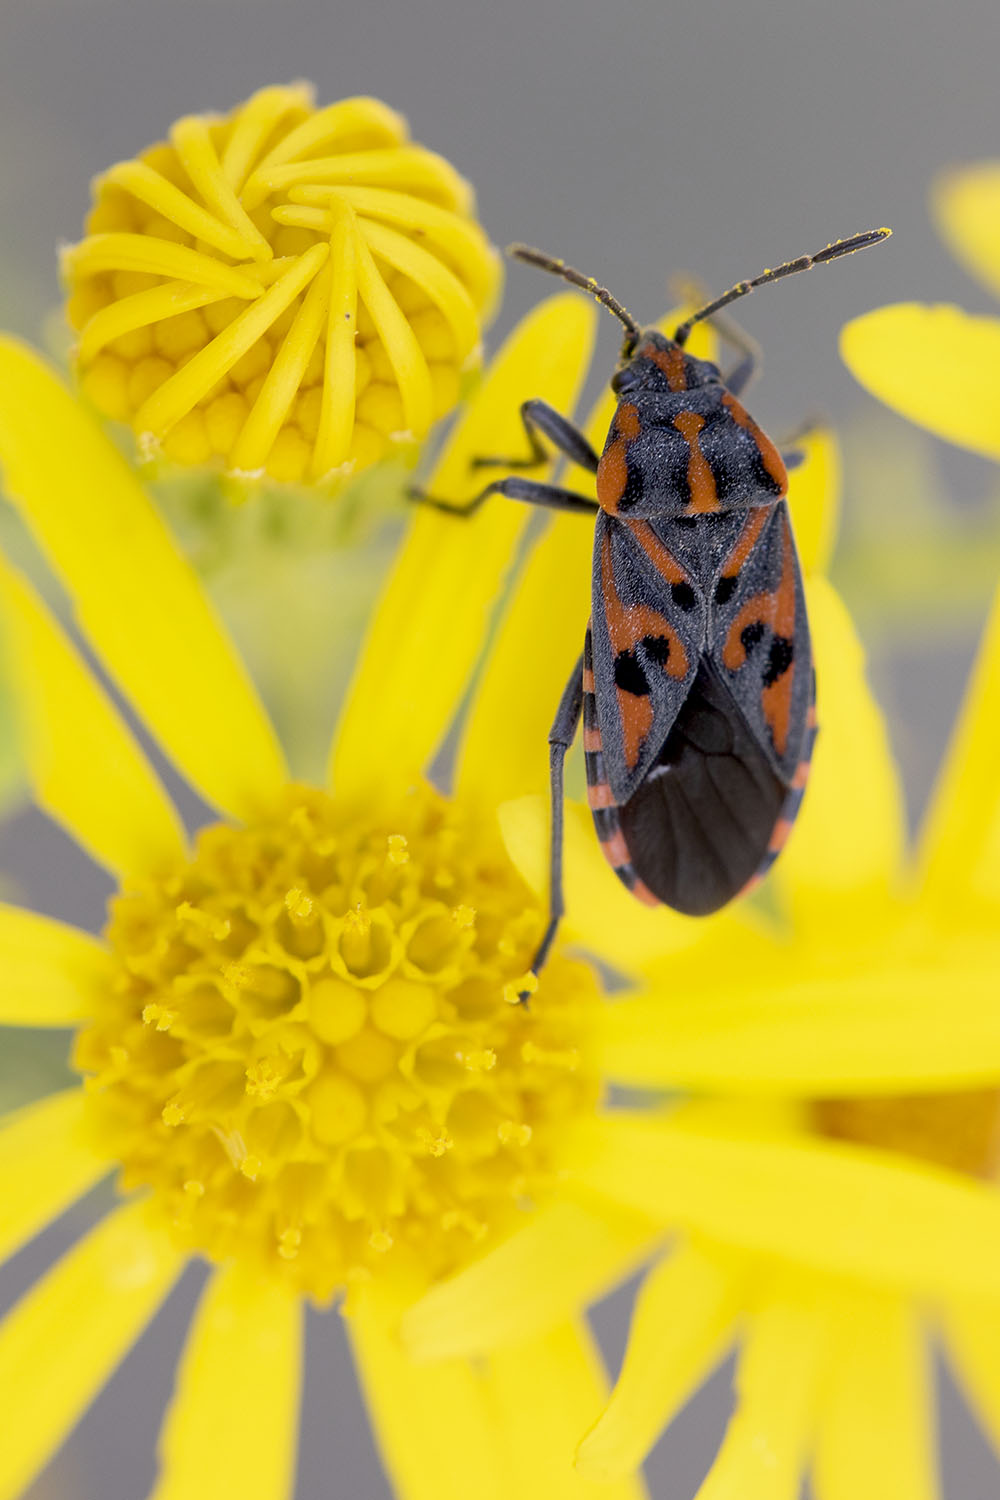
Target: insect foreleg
[
  {"x": 529, "y": 490},
  {"x": 540, "y": 417},
  {"x": 561, "y": 736}
]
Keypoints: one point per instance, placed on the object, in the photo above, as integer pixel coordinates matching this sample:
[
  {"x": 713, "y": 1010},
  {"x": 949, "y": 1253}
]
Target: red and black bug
[{"x": 696, "y": 684}]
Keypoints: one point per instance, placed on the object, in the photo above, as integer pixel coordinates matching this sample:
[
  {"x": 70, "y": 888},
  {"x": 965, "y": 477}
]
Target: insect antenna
[
  {"x": 790, "y": 267},
  {"x": 532, "y": 257}
]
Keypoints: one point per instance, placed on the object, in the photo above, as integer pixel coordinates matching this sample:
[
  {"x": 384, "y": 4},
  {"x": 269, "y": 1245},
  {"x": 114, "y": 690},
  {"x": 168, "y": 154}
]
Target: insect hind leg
[{"x": 561, "y": 736}]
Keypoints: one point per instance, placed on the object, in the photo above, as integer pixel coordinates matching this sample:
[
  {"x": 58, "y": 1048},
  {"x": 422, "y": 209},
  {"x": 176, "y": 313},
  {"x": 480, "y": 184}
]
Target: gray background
[{"x": 635, "y": 139}]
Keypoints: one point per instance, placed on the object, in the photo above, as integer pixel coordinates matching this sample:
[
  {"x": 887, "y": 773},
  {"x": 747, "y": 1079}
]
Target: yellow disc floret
[
  {"x": 313, "y": 1053},
  {"x": 283, "y": 290}
]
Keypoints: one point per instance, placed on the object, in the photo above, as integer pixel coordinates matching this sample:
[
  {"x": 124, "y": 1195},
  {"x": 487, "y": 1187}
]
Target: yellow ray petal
[
  {"x": 76, "y": 1324},
  {"x": 845, "y": 1209},
  {"x": 814, "y": 498},
  {"x": 766, "y": 1021},
  {"x": 960, "y": 846},
  {"x": 971, "y": 1339},
  {"x": 966, "y": 206},
  {"x": 139, "y": 602},
  {"x": 435, "y": 1427},
  {"x": 566, "y": 1257},
  {"x": 600, "y": 912},
  {"x": 51, "y": 972},
  {"x": 548, "y": 1390},
  {"x": 46, "y": 1161},
  {"x": 876, "y": 1426},
  {"x": 888, "y": 352},
  {"x": 233, "y": 1425},
  {"x": 763, "y": 1454},
  {"x": 684, "y": 1319},
  {"x": 431, "y": 622},
  {"x": 86, "y": 768},
  {"x": 846, "y": 849}
]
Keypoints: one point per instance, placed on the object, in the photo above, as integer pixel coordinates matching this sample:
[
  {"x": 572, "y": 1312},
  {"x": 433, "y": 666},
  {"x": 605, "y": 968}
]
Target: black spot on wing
[
  {"x": 751, "y": 635},
  {"x": 683, "y": 596},
  {"x": 779, "y": 658},
  {"x": 726, "y": 588},
  {"x": 699, "y": 824},
  {"x": 630, "y": 675}
]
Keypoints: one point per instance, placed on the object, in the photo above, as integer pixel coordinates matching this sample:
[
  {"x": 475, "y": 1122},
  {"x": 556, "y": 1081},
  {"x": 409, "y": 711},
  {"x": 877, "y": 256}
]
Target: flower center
[
  {"x": 283, "y": 289},
  {"x": 313, "y": 1054},
  {"x": 960, "y": 1130}
]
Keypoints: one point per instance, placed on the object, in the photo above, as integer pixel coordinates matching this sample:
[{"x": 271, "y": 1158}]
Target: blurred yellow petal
[
  {"x": 85, "y": 766},
  {"x": 46, "y": 1161},
  {"x": 51, "y": 971},
  {"x": 854, "y": 1023},
  {"x": 966, "y": 207},
  {"x": 971, "y": 1339},
  {"x": 846, "y": 849},
  {"x": 876, "y": 1424},
  {"x": 893, "y": 350},
  {"x": 65, "y": 1338},
  {"x": 566, "y": 1256},
  {"x": 600, "y": 912},
  {"x": 430, "y": 625},
  {"x": 960, "y": 847},
  {"x": 505, "y": 749},
  {"x": 138, "y": 601},
  {"x": 814, "y": 498},
  {"x": 548, "y": 1390},
  {"x": 845, "y": 1209},
  {"x": 434, "y": 1422},
  {"x": 232, "y": 1428},
  {"x": 684, "y": 1319},
  {"x": 764, "y": 1451}
]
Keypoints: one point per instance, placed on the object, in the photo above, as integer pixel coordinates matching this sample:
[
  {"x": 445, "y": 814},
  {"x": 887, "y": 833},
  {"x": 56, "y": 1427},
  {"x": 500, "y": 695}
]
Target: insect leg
[
  {"x": 561, "y": 736},
  {"x": 529, "y": 490},
  {"x": 540, "y": 417}
]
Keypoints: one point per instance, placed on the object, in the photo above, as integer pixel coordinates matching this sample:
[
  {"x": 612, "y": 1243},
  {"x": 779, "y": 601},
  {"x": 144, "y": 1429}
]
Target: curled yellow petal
[
  {"x": 685, "y": 1316},
  {"x": 197, "y": 268},
  {"x": 891, "y": 350}
]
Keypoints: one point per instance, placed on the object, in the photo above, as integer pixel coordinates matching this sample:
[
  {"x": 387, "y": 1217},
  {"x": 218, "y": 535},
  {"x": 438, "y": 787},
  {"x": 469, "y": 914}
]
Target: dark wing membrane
[
  {"x": 648, "y": 632},
  {"x": 697, "y": 828},
  {"x": 760, "y": 636}
]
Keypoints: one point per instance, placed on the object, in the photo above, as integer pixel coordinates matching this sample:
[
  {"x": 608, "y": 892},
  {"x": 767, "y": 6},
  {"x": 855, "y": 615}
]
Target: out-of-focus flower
[
  {"x": 283, "y": 290},
  {"x": 841, "y": 1043},
  {"x": 937, "y": 365},
  {"x": 296, "y": 1034}
]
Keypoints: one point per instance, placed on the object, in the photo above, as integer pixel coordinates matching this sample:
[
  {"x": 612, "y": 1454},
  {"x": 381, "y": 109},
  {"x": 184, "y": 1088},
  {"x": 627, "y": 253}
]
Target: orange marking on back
[
  {"x": 627, "y": 422},
  {"x": 746, "y": 541},
  {"x": 701, "y": 480},
  {"x": 660, "y": 556},
  {"x": 637, "y": 721},
  {"x": 612, "y": 476},
  {"x": 600, "y": 795},
  {"x": 627, "y": 624},
  {"x": 772, "y": 460},
  {"x": 670, "y": 361},
  {"x": 776, "y": 610}
]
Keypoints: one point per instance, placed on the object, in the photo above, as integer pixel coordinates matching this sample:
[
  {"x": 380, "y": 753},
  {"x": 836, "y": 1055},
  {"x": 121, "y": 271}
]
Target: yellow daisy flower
[
  {"x": 824, "y": 1174},
  {"x": 283, "y": 289},
  {"x": 938, "y": 365},
  {"x": 299, "y": 1047}
]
